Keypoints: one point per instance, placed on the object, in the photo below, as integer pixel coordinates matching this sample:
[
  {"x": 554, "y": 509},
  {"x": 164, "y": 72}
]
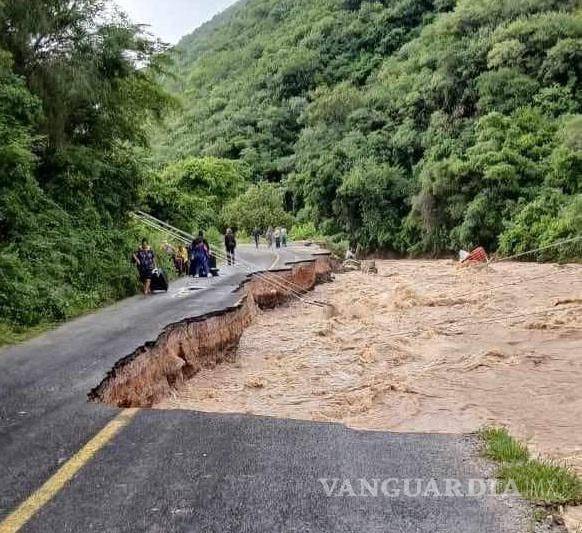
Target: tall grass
[
  {"x": 539, "y": 480},
  {"x": 503, "y": 448}
]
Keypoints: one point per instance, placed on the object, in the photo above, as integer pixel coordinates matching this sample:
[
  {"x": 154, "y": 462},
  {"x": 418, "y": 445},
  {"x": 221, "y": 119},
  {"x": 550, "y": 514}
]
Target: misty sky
[{"x": 172, "y": 19}]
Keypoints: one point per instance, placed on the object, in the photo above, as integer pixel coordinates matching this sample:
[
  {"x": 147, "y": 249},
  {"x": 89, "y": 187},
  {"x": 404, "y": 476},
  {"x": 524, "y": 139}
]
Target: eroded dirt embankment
[{"x": 156, "y": 370}]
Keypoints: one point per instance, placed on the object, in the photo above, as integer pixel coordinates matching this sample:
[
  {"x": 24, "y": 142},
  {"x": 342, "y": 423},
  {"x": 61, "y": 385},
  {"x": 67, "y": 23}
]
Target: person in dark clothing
[
  {"x": 199, "y": 256},
  {"x": 192, "y": 258},
  {"x": 230, "y": 245},
  {"x": 204, "y": 241},
  {"x": 257, "y": 236},
  {"x": 145, "y": 260},
  {"x": 202, "y": 258},
  {"x": 201, "y": 253},
  {"x": 277, "y": 236}
]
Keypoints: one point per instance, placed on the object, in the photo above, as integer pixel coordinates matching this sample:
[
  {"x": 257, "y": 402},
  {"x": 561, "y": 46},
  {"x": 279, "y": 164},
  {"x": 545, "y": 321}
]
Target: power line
[
  {"x": 142, "y": 215},
  {"x": 274, "y": 281},
  {"x": 540, "y": 249},
  {"x": 502, "y": 285}
]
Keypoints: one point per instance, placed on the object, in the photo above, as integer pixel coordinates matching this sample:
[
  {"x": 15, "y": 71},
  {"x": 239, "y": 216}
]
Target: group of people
[
  {"x": 195, "y": 260},
  {"x": 198, "y": 259},
  {"x": 277, "y": 237}
]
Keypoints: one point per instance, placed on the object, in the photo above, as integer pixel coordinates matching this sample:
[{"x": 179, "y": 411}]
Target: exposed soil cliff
[{"x": 156, "y": 369}]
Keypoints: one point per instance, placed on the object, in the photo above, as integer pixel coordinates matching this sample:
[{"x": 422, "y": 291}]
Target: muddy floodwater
[{"x": 421, "y": 346}]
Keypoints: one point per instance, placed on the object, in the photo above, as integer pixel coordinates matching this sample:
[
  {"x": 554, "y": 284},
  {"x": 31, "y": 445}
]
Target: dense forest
[
  {"x": 418, "y": 126},
  {"x": 409, "y": 126},
  {"x": 75, "y": 105}
]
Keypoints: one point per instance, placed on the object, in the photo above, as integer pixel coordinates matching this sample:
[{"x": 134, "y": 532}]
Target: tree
[
  {"x": 191, "y": 192},
  {"x": 371, "y": 204},
  {"x": 260, "y": 206},
  {"x": 78, "y": 93},
  {"x": 19, "y": 113},
  {"x": 87, "y": 69}
]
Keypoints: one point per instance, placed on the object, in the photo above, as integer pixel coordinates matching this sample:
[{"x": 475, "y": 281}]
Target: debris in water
[{"x": 255, "y": 382}]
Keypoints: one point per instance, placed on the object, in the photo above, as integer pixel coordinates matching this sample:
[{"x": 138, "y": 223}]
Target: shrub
[
  {"x": 303, "y": 232},
  {"x": 260, "y": 206}
]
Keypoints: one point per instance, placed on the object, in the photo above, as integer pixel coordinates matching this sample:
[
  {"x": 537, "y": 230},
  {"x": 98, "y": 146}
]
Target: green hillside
[
  {"x": 411, "y": 126},
  {"x": 407, "y": 125}
]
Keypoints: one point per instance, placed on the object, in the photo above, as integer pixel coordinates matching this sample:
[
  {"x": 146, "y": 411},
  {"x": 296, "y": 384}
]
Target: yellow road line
[{"x": 37, "y": 500}]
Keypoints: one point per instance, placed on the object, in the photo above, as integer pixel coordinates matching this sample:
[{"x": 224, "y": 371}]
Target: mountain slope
[
  {"x": 246, "y": 75},
  {"x": 403, "y": 124}
]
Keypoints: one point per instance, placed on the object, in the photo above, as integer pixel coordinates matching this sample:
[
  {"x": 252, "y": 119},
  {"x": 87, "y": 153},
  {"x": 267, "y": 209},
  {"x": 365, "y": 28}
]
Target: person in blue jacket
[{"x": 199, "y": 256}]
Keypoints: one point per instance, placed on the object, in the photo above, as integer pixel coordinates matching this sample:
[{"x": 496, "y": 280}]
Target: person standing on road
[
  {"x": 201, "y": 256},
  {"x": 230, "y": 245},
  {"x": 181, "y": 260},
  {"x": 278, "y": 237},
  {"x": 269, "y": 236},
  {"x": 257, "y": 236},
  {"x": 192, "y": 266},
  {"x": 145, "y": 260},
  {"x": 284, "y": 237}
]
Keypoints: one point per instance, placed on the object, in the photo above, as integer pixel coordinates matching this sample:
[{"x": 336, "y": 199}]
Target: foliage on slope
[
  {"x": 417, "y": 126},
  {"x": 74, "y": 109},
  {"x": 411, "y": 125},
  {"x": 189, "y": 193}
]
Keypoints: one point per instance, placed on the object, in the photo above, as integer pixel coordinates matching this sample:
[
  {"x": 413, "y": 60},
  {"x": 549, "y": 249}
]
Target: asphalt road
[{"x": 188, "y": 471}]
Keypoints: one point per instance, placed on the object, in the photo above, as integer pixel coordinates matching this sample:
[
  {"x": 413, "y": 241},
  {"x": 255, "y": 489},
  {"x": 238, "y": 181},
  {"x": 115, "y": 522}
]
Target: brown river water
[{"x": 421, "y": 346}]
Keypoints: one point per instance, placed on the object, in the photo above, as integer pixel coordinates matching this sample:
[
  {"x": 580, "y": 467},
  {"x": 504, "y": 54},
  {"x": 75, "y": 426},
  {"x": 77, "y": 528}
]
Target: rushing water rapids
[{"x": 460, "y": 362}]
